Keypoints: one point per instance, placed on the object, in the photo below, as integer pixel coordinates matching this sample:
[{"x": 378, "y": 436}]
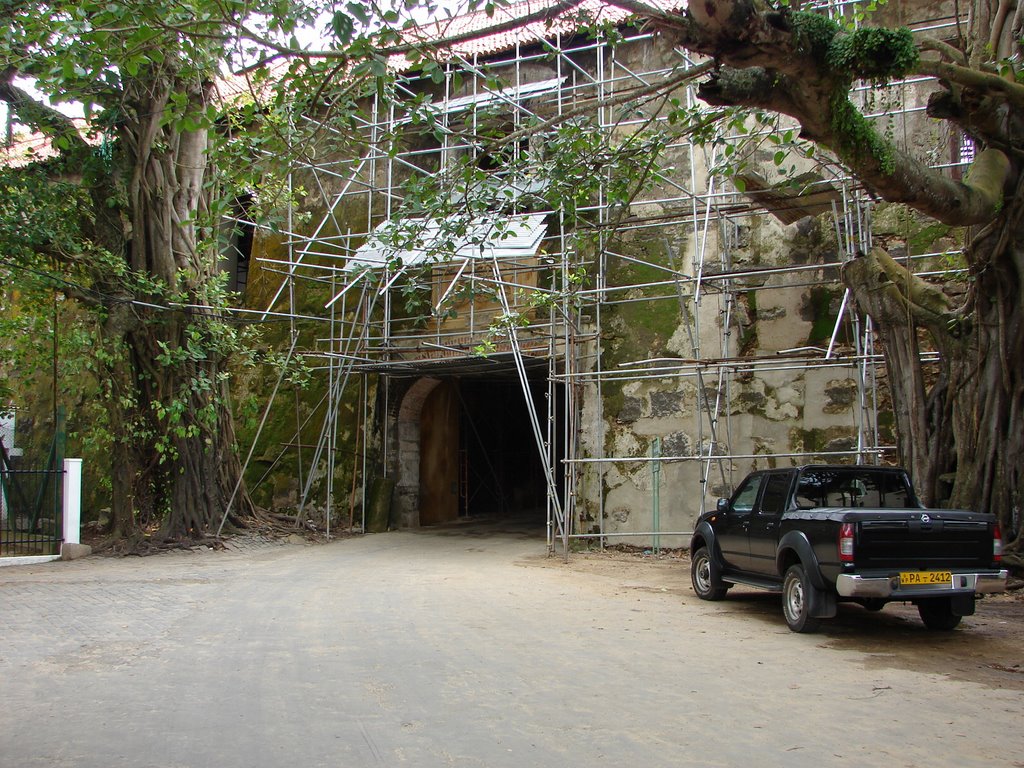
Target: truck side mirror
[{"x": 722, "y": 506}]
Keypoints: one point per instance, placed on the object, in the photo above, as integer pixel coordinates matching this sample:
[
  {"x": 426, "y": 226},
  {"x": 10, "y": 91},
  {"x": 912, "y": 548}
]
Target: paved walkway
[{"x": 444, "y": 649}]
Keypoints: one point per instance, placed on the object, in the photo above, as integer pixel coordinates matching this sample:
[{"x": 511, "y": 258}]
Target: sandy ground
[
  {"x": 988, "y": 648},
  {"x": 471, "y": 647}
]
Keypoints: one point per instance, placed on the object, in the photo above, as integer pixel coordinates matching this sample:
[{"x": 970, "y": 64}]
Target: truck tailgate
[{"x": 924, "y": 542}]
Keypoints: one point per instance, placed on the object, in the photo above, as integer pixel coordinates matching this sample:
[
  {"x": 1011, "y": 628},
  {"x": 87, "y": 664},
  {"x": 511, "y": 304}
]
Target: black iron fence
[{"x": 31, "y": 508}]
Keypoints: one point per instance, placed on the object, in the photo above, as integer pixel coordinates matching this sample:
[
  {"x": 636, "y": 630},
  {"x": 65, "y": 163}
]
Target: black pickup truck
[{"x": 822, "y": 534}]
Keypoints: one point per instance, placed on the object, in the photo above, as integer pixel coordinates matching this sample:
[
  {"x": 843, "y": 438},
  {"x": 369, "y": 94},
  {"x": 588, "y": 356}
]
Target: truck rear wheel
[
  {"x": 796, "y": 600},
  {"x": 937, "y": 614},
  {"x": 702, "y": 577}
]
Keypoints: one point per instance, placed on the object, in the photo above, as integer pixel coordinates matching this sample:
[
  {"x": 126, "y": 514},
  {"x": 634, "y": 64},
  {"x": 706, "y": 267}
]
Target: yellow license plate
[{"x": 916, "y": 578}]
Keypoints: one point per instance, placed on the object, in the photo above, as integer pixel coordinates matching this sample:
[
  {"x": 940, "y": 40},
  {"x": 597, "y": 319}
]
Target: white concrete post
[
  {"x": 7, "y": 438},
  {"x": 72, "y": 548},
  {"x": 72, "y": 501}
]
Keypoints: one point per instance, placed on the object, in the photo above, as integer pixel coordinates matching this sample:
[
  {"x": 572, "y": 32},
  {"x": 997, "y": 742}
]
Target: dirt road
[{"x": 469, "y": 647}]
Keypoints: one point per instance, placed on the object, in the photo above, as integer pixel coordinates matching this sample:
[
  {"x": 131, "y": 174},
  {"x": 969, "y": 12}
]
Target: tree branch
[
  {"x": 626, "y": 97},
  {"x": 898, "y": 295},
  {"x": 783, "y": 61},
  {"x": 974, "y": 79},
  {"x": 944, "y": 49},
  {"x": 35, "y": 114},
  {"x": 424, "y": 42},
  {"x": 542, "y": 14},
  {"x": 998, "y": 25},
  {"x": 889, "y": 171},
  {"x": 643, "y": 10}
]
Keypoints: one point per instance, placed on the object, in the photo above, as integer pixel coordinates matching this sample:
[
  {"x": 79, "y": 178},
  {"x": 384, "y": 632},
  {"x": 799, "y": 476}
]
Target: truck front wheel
[
  {"x": 796, "y": 600},
  {"x": 937, "y": 614},
  {"x": 701, "y": 575}
]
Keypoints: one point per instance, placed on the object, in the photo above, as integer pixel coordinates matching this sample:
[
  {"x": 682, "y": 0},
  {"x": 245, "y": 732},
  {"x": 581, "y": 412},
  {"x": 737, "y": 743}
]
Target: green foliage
[
  {"x": 857, "y": 137},
  {"x": 42, "y": 257},
  {"x": 565, "y": 169},
  {"x": 814, "y": 33},
  {"x": 574, "y": 168},
  {"x": 873, "y": 53},
  {"x": 747, "y": 136},
  {"x": 146, "y": 339},
  {"x": 855, "y": 14},
  {"x": 38, "y": 217}
]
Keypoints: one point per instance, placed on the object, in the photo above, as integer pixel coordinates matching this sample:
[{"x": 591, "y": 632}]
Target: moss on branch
[
  {"x": 813, "y": 34},
  {"x": 873, "y": 54},
  {"x": 870, "y": 52},
  {"x": 856, "y": 138}
]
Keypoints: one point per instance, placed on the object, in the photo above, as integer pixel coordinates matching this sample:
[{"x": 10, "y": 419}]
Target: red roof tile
[
  {"x": 26, "y": 148},
  {"x": 566, "y": 21}
]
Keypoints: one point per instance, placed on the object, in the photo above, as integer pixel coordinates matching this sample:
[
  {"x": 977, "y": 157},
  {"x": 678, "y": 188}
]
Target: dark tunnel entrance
[{"x": 501, "y": 475}]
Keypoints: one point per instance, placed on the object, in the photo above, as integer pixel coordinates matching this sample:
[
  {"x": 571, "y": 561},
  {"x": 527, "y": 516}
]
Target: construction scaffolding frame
[{"x": 539, "y": 79}]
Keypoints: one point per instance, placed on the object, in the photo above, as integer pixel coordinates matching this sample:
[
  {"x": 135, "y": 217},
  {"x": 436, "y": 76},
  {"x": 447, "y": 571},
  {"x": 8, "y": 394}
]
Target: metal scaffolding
[{"x": 694, "y": 218}]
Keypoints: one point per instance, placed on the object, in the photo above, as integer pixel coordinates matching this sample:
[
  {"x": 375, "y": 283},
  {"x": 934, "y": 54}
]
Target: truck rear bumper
[{"x": 853, "y": 585}]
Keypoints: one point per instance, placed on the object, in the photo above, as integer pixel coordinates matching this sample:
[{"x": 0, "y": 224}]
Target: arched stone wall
[{"x": 405, "y": 503}]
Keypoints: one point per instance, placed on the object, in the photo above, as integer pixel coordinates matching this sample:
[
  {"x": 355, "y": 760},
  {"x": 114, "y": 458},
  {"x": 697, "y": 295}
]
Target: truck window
[
  {"x": 776, "y": 492},
  {"x": 853, "y": 487},
  {"x": 885, "y": 492},
  {"x": 746, "y": 496}
]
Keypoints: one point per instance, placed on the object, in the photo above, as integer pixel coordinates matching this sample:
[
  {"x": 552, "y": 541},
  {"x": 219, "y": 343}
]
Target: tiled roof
[
  {"x": 565, "y": 21},
  {"x": 26, "y": 148}
]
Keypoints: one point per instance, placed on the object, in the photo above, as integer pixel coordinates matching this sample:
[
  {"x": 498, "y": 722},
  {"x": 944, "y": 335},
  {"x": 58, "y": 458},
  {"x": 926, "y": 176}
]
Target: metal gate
[{"x": 31, "y": 502}]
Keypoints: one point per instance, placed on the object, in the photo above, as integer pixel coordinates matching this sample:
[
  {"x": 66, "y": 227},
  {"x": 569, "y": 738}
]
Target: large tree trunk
[
  {"x": 986, "y": 376},
  {"x": 130, "y": 502},
  {"x": 145, "y": 257},
  {"x": 188, "y": 465},
  {"x": 879, "y": 294},
  {"x": 205, "y": 473},
  {"x": 964, "y": 424}
]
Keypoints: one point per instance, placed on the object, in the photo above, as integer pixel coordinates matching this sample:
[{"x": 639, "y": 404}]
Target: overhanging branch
[
  {"x": 767, "y": 60},
  {"x": 896, "y": 296},
  {"x": 41, "y": 117},
  {"x": 974, "y": 79},
  {"x": 425, "y": 43}
]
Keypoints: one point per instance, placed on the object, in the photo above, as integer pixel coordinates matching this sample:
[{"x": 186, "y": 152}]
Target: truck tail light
[
  {"x": 846, "y": 543},
  {"x": 997, "y": 544}
]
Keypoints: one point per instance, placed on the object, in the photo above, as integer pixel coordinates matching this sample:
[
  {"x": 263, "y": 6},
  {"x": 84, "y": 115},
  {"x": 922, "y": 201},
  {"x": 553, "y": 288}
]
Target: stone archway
[
  {"x": 406, "y": 512},
  {"x": 426, "y": 487}
]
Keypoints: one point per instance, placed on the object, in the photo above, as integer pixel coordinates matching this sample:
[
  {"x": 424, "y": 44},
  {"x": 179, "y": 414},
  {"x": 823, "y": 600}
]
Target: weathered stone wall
[{"x": 764, "y": 405}]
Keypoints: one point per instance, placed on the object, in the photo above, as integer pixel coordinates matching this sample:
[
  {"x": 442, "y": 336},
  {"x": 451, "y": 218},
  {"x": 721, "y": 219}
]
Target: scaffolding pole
[{"x": 704, "y": 281}]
